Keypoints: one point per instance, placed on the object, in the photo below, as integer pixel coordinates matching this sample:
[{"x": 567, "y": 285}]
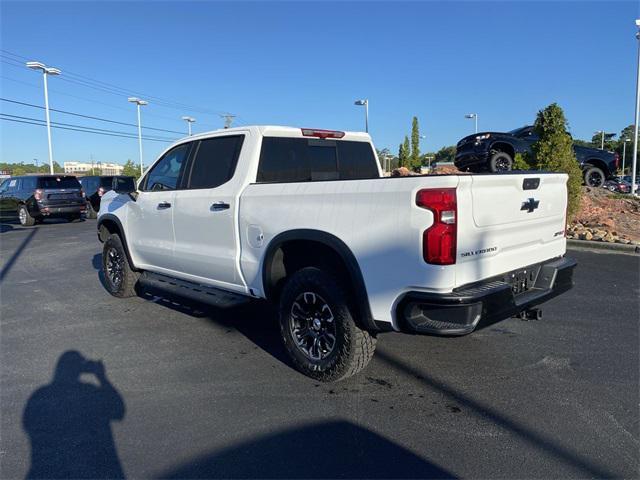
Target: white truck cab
[{"x": 305, "y": 219}]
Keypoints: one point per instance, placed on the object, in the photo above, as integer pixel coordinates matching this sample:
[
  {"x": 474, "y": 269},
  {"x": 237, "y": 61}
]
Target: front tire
[
  {"x": 500, "y": 162},
  {"x": 594, "y": 177},
  {"x": 318, "y": 329},
  {"x": 26, "y": 220},
  {"x": 119, "y": 278}
]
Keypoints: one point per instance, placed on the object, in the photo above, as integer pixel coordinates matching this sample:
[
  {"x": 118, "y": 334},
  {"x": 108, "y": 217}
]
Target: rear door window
[
  {"x": 308, "y": 160},
  {"x": 29, "y": 183},
  {"x": 214, "y": 162},
  {"x": 58, "y": 182},
  {"x": 106, "y": 182}
]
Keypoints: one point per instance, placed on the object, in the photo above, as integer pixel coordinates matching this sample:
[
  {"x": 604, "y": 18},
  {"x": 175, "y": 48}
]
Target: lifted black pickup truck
[{"x": 495, "y": 151}]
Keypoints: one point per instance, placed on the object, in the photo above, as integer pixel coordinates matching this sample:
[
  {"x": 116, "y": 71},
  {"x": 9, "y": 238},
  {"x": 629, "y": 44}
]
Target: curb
[{"x": 616, "y": 247}]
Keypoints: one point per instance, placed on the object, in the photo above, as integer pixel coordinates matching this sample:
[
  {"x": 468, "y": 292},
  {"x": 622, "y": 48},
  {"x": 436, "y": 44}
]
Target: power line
[
  {"x": 87, "y": 128},
  {"x": 59, "y": 92},
  {"x": 115, "y": 89},
  {"x": 89, "y": 116},
  {"x": 40, "y": 123}
]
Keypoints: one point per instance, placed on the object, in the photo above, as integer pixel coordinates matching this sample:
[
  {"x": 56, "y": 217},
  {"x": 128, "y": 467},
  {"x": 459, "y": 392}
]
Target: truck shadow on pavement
[
  {"x": 335, "y": 449},
  {"x": 68, "y": 422}
]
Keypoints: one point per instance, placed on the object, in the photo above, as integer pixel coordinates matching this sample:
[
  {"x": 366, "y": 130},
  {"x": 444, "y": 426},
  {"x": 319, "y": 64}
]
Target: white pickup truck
[{"x": 304, "y": 218}]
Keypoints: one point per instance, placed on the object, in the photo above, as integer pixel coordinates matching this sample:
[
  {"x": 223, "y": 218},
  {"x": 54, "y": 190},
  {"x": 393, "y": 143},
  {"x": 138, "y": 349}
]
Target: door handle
[
  {"x": 163, "y": 205},
  {"x": 217, "y": 206}
]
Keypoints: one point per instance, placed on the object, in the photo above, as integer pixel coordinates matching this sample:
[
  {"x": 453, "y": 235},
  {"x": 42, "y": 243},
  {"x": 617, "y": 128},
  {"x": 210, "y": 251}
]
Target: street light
[
  {"x": 601, "y": 132},
  {"x": 624, "y": 152},
  {"x": 189, "y": 121},
  {"x": 364, "y": 102},
  {"x": 139, "y": 103},
  {"x": 635, "y": 130},
  {"x": 46, "y": 71},
  {"x": 475, "y": 117}
]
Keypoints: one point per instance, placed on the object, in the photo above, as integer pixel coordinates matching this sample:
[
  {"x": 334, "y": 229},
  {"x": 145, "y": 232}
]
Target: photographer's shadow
[{"x": 68, "y": 422}]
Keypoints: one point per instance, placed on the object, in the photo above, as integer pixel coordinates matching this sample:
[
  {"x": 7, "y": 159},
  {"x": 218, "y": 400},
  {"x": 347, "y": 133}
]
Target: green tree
[
  {"x": 415, "y": 160},
  {"x": 554, "y": 152},
  {"x": 446, "y": 154},
  {"x": 131, "y": 169},
  {"x": 596, "y": 140},
  {"x": 403, "y": 153},
  {"x": 626, "y": 132}
]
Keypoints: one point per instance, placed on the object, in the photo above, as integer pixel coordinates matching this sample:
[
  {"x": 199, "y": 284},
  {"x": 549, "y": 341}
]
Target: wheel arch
[
  {"x": 598, "y": 163},
  {"x": 331, "y": 251},
  {"x": 503, "y": 146},
  {"x": 110, "y": 224}
]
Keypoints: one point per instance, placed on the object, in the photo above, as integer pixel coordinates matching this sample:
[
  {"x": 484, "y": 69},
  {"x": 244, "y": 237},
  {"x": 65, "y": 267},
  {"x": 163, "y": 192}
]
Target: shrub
[
  {"x": 521, "y": 162},
  {"x": 554, "y": 152}
]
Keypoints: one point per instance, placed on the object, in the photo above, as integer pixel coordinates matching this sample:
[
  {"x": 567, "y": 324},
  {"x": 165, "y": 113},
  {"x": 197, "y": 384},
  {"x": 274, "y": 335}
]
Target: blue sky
[{"x": 304, "y": 63}]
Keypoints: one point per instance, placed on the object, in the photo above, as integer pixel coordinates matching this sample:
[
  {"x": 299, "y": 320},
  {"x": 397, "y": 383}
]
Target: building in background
[{"x": 79, "y": 168}]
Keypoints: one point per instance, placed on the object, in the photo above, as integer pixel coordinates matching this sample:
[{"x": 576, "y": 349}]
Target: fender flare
[
  {"x": 344, "y": 253},
  {"x": 116, "y": 220}
]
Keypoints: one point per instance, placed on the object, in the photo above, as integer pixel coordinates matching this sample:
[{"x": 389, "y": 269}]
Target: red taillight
[
  {"x": 617, "y": 160},
  {"x": 440, "y": 239},
  {"x": 100, "y": 191},
  {"x": 314, "y": 132},
  {"x": 82, "y": 194},
  {"x": 38, "y": 194}
]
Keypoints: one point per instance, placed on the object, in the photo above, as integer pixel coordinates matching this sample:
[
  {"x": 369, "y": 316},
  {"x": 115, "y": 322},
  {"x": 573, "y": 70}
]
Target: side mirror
[{"x": 123, "y": 185}]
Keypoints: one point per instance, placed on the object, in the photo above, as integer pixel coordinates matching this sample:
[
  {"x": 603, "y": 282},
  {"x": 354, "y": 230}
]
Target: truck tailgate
[{"x": 509, "y": 221}]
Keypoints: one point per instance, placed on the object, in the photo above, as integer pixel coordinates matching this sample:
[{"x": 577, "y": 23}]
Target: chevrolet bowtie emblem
[{"x": 530, "y": 205}]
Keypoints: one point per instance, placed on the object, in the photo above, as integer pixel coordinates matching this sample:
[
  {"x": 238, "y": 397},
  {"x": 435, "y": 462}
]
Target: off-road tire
[
  {"x": 91, "y": 213},
  {"x": 353, "y": 346},
  {"x": 126, "y": 287},
  {"x": 500, "y": 162},
  {"x": 25, "y": 218},
  {"x": 591, "y": 174}
]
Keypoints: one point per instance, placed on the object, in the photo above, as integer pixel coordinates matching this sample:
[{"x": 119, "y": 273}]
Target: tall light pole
[
  {"x": 139, "y": 103},
  {"x": 601, "y": 132},
  {"x": 624, "y": 152},
  {"x": 46, "y": 71},
  {"x": 475, "y": 117},
  {"x": 189, "y": 121},
  {"x": 635, "y": 130},
  {"x": 365, "y": 103}
]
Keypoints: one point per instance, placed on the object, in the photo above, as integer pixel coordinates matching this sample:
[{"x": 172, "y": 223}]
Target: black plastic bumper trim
[{"x": 460, "y": 312}]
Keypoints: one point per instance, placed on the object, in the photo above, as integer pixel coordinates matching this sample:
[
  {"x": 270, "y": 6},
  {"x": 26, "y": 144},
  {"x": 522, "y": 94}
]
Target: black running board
[{"x": 193, "y": 291}]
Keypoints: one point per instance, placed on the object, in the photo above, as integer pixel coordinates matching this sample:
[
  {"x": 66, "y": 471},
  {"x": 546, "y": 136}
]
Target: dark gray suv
[{"x": 32, "y": 198}]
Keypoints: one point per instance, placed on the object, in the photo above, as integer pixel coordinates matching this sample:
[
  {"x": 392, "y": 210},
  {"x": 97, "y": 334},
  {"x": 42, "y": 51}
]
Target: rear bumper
[
  {"x": 459, "y": 312},
  {"x": 55, "y": 210}
]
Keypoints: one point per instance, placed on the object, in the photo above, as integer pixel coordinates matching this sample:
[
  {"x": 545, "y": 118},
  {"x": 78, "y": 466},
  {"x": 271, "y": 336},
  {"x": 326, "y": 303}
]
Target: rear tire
[
  {"x": 119, "y": 278},
  {"x": 26, "y": 220},
  {"x": 593, "y": 177},
  {"x": 500, "y": 162},
  {"x": 318, "y": 328}
]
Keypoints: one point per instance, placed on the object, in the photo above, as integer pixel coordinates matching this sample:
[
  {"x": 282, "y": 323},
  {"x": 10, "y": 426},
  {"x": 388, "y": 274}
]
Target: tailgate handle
[{"x": 530, "y": 183}]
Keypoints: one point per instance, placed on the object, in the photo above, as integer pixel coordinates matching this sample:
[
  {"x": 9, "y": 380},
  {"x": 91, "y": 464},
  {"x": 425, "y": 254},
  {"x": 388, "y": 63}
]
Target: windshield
[
  {"x": 517, "y": 131},
  {"x": 58, "y": 182}
]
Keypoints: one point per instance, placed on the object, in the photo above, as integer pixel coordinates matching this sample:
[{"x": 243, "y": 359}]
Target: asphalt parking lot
[{"x": 194, "y": 392}]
